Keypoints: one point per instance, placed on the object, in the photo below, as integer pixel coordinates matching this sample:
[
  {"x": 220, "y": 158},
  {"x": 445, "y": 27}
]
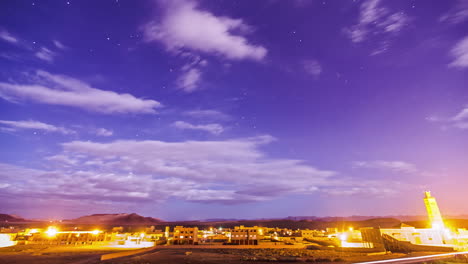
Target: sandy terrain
[{"x": 184, "y": 255}]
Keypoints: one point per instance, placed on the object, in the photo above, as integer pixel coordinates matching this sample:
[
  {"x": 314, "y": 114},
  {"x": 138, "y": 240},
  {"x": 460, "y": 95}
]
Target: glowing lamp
[
  {"x": 95, "y": 232},
  {"x": 51, "y": 231}
]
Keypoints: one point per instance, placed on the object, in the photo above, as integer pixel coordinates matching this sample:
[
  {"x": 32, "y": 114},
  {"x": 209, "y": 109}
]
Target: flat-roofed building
[
  {"x": 185, "y": 235},
  {"x": 242, "y": 235}
]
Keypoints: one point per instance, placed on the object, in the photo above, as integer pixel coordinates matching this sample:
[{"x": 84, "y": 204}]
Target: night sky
[{"x": 232, "y": 109}]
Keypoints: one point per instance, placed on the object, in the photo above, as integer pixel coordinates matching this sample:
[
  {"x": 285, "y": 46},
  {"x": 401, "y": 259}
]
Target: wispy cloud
[
  {"x": 54, "y": 89},
  {"x": 396, "y": 166},
  {"x": 214, "y": 129},
  {"x": 189, "y": 80},
  {"x": 6, "y": 36},
  {"x": 312, "y": 67},
  {"x": 376, "y": 19},
  {"x": 457, "y": 14},
  {"x": 45, "y": 54},
  {"x": 185, "y": 26},
  {"x": 460, "y": 54},
  {"x": 104, "y": 132},
  {"x": 459, "y": 120},
  {"x": 207, "y": 114},
  {"x": 59, "y": 45},
  {"x": 35, "y": 125}
]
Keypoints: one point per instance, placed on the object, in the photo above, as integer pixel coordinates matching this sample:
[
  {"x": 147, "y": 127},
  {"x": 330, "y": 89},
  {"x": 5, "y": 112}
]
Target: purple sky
[{"x": 232, "y": 109}]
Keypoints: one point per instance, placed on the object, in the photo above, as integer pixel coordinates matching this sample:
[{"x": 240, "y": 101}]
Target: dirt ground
[
  {"x": 173, "y": 255},
  {"x": 37, "y": 254}
]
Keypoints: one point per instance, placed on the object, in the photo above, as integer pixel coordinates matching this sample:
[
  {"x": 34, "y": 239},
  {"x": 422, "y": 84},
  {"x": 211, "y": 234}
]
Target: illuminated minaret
[{"x": 433, "y": 212}]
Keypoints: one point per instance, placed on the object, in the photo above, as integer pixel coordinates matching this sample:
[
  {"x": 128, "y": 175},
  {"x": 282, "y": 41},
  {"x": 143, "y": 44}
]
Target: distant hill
[
  {"x": 357, "y": 218},
  {"x": 293, "y": 224},
  {"x": 115, "y": 219},
  {"x": 10, "y": 218}
]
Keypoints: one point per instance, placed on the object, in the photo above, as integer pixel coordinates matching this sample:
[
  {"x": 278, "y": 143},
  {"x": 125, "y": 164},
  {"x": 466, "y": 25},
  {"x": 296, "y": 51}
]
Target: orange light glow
[{"x": 51, "y": 231}]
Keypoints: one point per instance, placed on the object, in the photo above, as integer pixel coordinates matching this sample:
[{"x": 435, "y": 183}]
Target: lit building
[
  {"x": 242, "y": 235},
  {"x": 433, "y": 212},
  {"x": 185, "y": 235},
  {"x": 408, "y": 238}
]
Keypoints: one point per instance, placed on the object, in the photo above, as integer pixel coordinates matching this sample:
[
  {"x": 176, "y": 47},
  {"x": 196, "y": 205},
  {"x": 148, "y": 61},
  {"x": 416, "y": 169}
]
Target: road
[{"x": 416, "y": 259}]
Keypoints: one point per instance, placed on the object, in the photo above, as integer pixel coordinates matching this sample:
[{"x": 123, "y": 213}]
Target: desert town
[{"x": 405, "y": 238}]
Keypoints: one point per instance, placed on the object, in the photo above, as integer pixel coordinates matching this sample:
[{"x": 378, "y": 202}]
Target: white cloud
[
  {"x": 313, "y": 68},
  {"x": 397, "y": 166},
  {"x": 54, "y": 89},
  {"x": 207, "y": 113},
  {"x": 185, "y": 26},
  {"x": 462, "y": 115},
  {"x": 460, "y": 120},
  {"x": 36, "y": 125},
  {"x": 457, "y": 14},
  {"x": 104, "y": 132},
  {"x": 460, "y": 54},
  {"x": 374, "y": 19},
  {"x": 59, "y": 45},
  {"x": 189, "y": 80},
  {"x": 214, "y": 129},
  {"x": 6, "y": 36},
  {"x": 45, "y": 54}
]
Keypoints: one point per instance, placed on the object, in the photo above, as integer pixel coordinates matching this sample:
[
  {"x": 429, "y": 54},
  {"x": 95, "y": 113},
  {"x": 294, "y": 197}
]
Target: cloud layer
[
  {"x": 230, "y": 171},
  {"x": 54, "y": 89}
]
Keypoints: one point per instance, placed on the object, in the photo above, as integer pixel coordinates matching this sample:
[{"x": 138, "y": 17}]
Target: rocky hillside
[{"x": 115, "y": 219}]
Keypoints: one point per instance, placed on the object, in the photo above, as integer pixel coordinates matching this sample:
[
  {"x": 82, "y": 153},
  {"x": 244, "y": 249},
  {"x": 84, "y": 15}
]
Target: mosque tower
[{"x": 433, "y": 212}]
